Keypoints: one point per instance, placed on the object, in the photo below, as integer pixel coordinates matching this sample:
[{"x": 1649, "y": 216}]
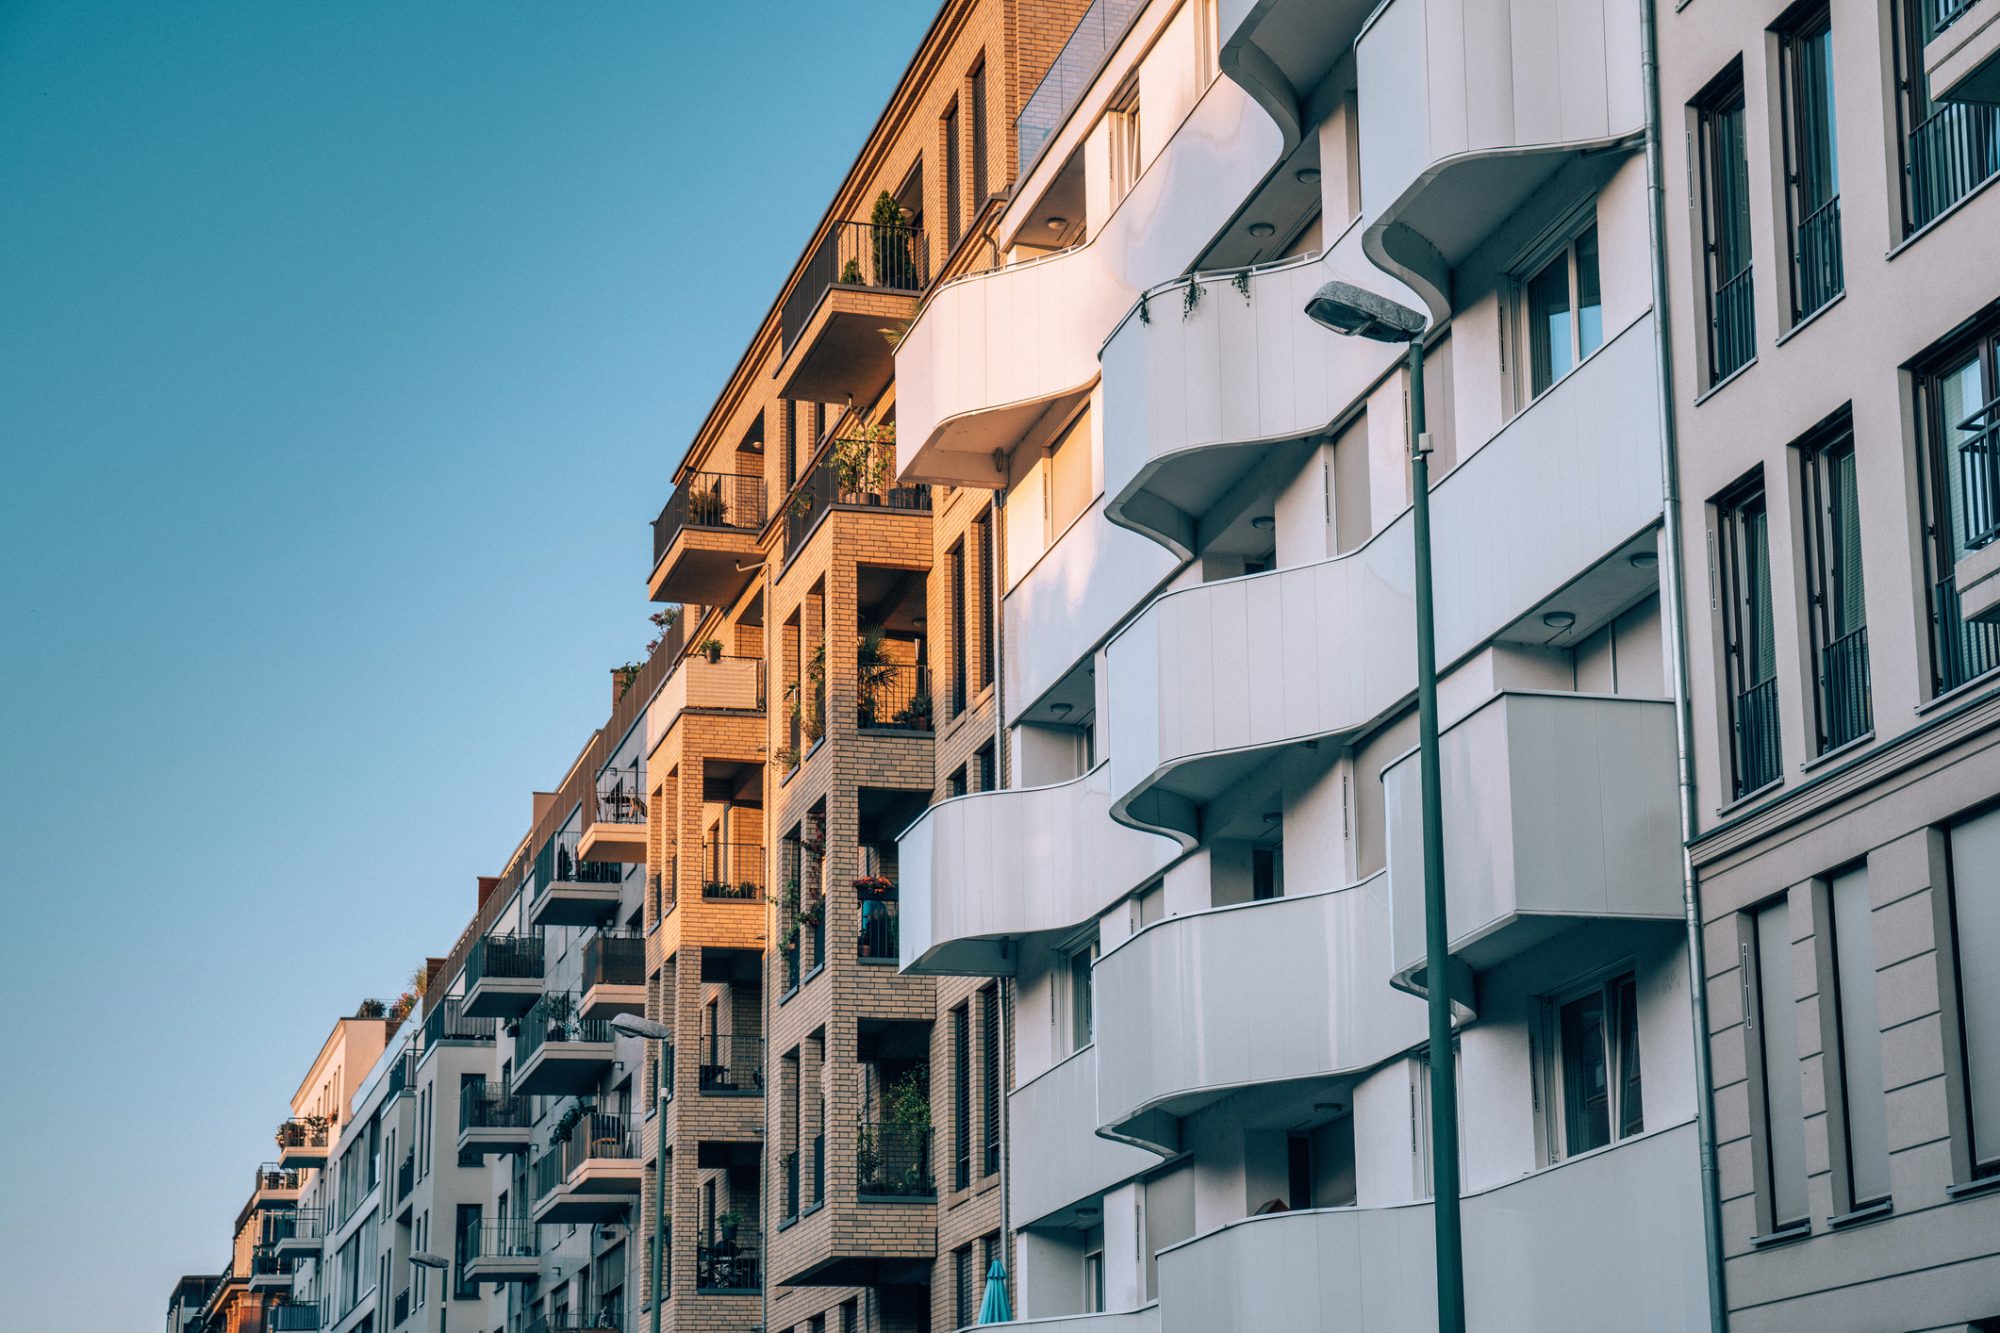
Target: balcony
[
  {"x": 880, "y": 937},
  {"x": 982, "y": 872},
  {"x": 503, "y": 975},
  {"x": 293, "y": 1318},
  {"x": 1207, "y": 680},
  {"x": 894, "y": 696},
  {"x": 1558, "y": 809},
  {"x": 1976, "y": 454},
  {"x": 1185, "y": 1008},
  {"x": 1060, "y": 1160},
  {"x": 406, "y": 1176},
  {"x": 570, "y": 891},
  {"x": 296, "y": 1234},
  {"x": 592, "y": 1174},
  {"x": 731, "y": 1066},
  {"x": 614, "y": 975},
  {"x": 276, "y": 1186},
  {"x": 1494, "y": 107},
  {"x": 892, "y": 1164},
  {"x": 1962, "y": 55},
  {"x": 1558, "y": 1249},
  {"x": 732, "y": 872},
  {"x": 705, "y": 537},
  {"x": 616, "y": 830},
  {"x": 269, "y": 1270},
  {"x": 728, "y": 1267},
  {"x": 501, "y": 1250},
  {"x": 492, "y": 1119},
  {"x": 820, "y": 490},
  {"x": 558, "y": 1051},
  {"x": 449, "y": 1022},
  {"x": 1069, "y": 77},
  {"x": 304, "y": 1142},
  {"x": 401, "y": 1078},
  {"x": 703, "y": 684},
  {"x": 840, "y": 321}
]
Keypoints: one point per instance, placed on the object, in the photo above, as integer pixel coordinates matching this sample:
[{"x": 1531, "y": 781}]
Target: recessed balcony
[
  {"x": 614, "y": 975},
  {"x": 269, "y": 1271},
  {"x": 304, "y": 1142},
  {"x": 1209, "y": 679},
  {"x": 491, "y": 1119},
  {"x": 840, "y": 322},
  {"x": 1962, "y": 55},
  {"x": 1194, "y": 1007},
  {"x": 567, "y": 890},
  {"x": 276, "y": 1186},
  {"x": 558, "y": 1051},
  {"x": 592, "y": 1174},
  {"x": 731, "y": 1065},
  {"x": 1558, "y": 809},
  {"x": 503, "y": 975},
  {"x": 705, "y": 540},
  {"x": 1563, "y": 1248},
  {"x": 501, "y": 1250},
  {"x": 1060, "y": 1160},
  {"x": 877, "y": 1224},
  {"x": 616, "y": 830},
  {"x": 981, "y": 873},
  {"x": 1497, "y": 105}
]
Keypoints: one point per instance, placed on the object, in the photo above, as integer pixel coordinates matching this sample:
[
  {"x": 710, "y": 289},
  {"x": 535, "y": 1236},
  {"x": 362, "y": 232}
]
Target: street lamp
[
  {"x": 437, "y": 1262},
  {"x": 634, "y": 1025},
  {"x": 1349, "y": 310}
]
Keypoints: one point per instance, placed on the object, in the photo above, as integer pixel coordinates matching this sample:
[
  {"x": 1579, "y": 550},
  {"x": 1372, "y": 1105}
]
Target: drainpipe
[
  {"x": 1673, "y": 606},
  {"x": 1005, "y": 995}
]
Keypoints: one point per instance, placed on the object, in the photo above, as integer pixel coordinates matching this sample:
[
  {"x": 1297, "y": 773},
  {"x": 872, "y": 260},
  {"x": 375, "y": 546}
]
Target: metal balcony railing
[
  {"x": 612, "y": 958},
  {"x": 732, "y": 1064},
  {"x": 1818, "y": 275},
  {"x": 402, "y": 1076},
  {"x": 893, "y": 695},
  {"x": 554, "y": 1018},
  {"x": 558, "y": 862},
  {"x": 308, "y": 1224},
  {"x": 294, "y": 1318},
  {"x": 515, "y": 957},
  {"x": 599, "y": 1136},
  {"x": 893, "y": 1161},
  {"x": 1979, "y": 474},
  {"x": 266, "y": 1263},
  {"x": 1073, "y": 71},
  {"x": 304, "y": 1134},
  {"x": 889, "y": 257},
  {"x": 492, "y": 1106},
  {"x": 1961, "y": 652},
  {"x": 879, "y": 937},
  {"x": 450, "y": 1022},
  {"x": 492, "y": 1237},
  {"x": 1947, "y": 156},
  {"x": 710, "y": 500},
  {"x": 819, "y": 489},
  {"x": 1732, "y": 326},
  {"x": 406, "y": 1175},
  {"x": 1846, "y": 712},
  {"x": 732, "y": 870},
  {"x": 620, "y": 797},
  {"x": 548, "y": 1172},
  {"x": 1756, "y": 722},
  {"x": 271, "y": 1176},
  {"x": 727, "y": 1265}
]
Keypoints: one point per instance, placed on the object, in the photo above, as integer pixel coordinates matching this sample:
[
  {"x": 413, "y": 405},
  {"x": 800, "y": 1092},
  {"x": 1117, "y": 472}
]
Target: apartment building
[{"x": 1833, "y": 265}]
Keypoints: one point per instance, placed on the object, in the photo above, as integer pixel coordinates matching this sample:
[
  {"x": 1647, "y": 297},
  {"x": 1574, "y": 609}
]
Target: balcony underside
[
  {"x": 847, "y": 350},
  {"x": 270, "y": 1282},
  {"x": 501, "y": 1269},
  {"x": 501, "y": 997},
  {"x": 606, "y": 1000},
  {"x": 499, "y": 1139},
  {"x": 290, "y": 1157},
  {"x": 568, "y": 903},
  {"x": 863, "y": 1270},
  {"x": 1962, "y": 63},
  {"x": 564, "y": 1068},
  {"x": 296, "y": 1246},
  {"x": 622, "y": 844},
  {"x": 705, "y": 566},
  {"x": 605, "y": 1194}
]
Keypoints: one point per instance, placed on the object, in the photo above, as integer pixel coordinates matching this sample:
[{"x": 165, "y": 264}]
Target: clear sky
[{"x": 346, "y": 349}]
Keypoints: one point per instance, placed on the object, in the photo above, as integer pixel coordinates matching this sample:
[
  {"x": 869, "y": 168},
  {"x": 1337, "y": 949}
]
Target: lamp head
[
  {"x": 1358, "y": 313},
  {"x": 632, "y": 1025}
]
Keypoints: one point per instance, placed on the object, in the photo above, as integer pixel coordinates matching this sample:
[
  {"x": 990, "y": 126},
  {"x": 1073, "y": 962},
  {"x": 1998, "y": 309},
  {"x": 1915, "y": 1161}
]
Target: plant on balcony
[
  {"x": 728, "y": 1224},
  {"x": 890, "y": 230},
  {"x": 627, "y": 676},
  {"x": 711, "y": 649},
  {"x": 559, "y": 1012},
  {"x": 860, "y": 461},
  {"x": 567, "y": 1122},
  {"x": 1241, "y": 282},
  {"x": 916, "y": 714},
  {"x": 706, "y": 508},
  {"x": 663, "y": 620},
  {"x": 850, "y": 274},
  {"x": 806, "y": 696},
  {"x": 812, "y": 910},
  {"x": 1190, "y": 298},
  {"x": 372, "y": 1009},
  {"x": 873, "y": 669},
  {"x": 875, "y": 886}
]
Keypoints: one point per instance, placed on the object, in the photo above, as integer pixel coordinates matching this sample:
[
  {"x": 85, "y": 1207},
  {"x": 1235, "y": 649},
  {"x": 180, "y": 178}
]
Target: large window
[
  {"x": 1949, "y": 148},
  {"x": 1592, "y": 1078},
  {"x": 1564, "y": 305},
  {"x": 1958, "y": 421},
  {"x": 954, "y": 180},
  {"x": 1774, "y": 1032},
  {"x": 1838, "y": 617},
  {"x": 1975, "y": 943},
  {"x": 1750, "y": 658},
  {"x": 1812, "y": 168},
  {"x": 1725, "y": 190}
]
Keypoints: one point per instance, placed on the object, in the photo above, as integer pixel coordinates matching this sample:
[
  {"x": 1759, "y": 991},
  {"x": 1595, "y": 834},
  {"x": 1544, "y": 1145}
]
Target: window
[
  {"x": 989, "y": 1077},
  {"x": 958, "y": 591},
  {"x": 961, "y": 1096},
  {"x": 461, "y": 1289},
  {"x": 1949, "y": 148},
  {"x": 1975, "y": 941},
  {"x": 1267, "y": 873},
  {"x": 1838, "y": 617},
  {"x": 1594, "y": 1095},
  {"x": 1958, "y": 454},
  {"x": 1862, "y": 1091},
  {"x": 961, "y": 1281},
  {"x": 1564, "y": 305},
  {"x": 954, "y": 180},
  {"x": 1081, "y": 1024},
  {"x": 1750, "y": 660},
  {"x": 1352, "y": 501},
  {"x": 955, "y": 784},
  {"x": 850, "y": 1317},
  {"x": 1122, "y": 138},
  {"x": 979, "y": 183},
  {"x": 1093, "y": 1282},
  {"x": 1725, "y": 186},
  {"x": 1812, "y": 166},
  {"x": 1775, "y": 1038},
  {"x": 1071, "y": 485},
  {"x": 983, "y": 762},
  {"x": 989, "y": 576}
]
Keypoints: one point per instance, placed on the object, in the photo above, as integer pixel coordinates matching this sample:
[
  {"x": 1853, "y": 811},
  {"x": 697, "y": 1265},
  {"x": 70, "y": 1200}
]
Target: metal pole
[
  {"x": 1437, "y": 940},
  {"x": 659, "y": 1177}
]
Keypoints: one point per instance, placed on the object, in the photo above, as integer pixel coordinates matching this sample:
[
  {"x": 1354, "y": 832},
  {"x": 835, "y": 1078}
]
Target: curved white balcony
[
  {"x": 1563, "y": 1248},
  {"x": 1558, "y": 808},
  {"x": 1060, "y": 1160},
  {"x": 1204, "y": 682},
  {"x": 1143, "y": 1320},
  {"x": 1494, "y": 96},
  {"x": 1195, "y": 1006},
  {"x": 982, "y": 871},
  {"x": 1278, "y": 51},
  {"x": 990, "y": 352}
]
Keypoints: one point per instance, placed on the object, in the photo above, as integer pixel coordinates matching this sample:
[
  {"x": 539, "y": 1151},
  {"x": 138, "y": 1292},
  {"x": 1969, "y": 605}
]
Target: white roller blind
[
  {"x": 1975, "y": 900},
  {"x": 1784, "y": 1112},
  {"x": 1860, "y": 1037}
]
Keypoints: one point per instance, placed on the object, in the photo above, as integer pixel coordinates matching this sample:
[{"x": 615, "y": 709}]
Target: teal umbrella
[{"x": 994, "y": 1309}]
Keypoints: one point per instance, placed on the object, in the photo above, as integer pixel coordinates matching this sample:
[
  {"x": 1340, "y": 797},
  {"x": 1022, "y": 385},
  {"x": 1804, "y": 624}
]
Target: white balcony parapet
[
  {"x": 1558, "y": 808},
  {"x": 1060, "y": 1160},
  {"x": 1146, "y": 1319},
  {"x": 1495, "y": 95},
  {"x": 982, "y": 871},
  {"x": 1205, "y": 681},
  {"x": 1962, "y": 63},
  {"x": 1195, "y": 1006},
  {"x": 1278, "y": 51},
  {"x": 989, "y": 352},
  {"x": 1562, "y": 1248}
]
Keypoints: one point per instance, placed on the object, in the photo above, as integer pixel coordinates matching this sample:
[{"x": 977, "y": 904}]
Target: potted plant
[
  {"x": 728, "y": 1223},
  {"x": 567, "y": 1122},
  {"x": 860, "y": 462},
  {"x": 916, "y": 714},
  {"x": 706, "y": 508},
  {"x": 712, "y": 650},
  {"x": 873, "y": 671},
  {"x": 875, "y": 886},
  {"x": 812, "y": 911},
  {"x": 891, "y": 237},
  {"x": 850, "y": 274}
]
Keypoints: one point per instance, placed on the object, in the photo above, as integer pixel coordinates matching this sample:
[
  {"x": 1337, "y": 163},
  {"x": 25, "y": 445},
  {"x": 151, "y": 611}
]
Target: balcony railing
[
  {"x": 1962, "y": 652},
  {"x": 402, "y": 1306},
  {"x": 599, "y": 1136},
  {"x": 303, "y": 1134},
  {"x": 271, "y": 1176},
  {"x": 894, "y": 695},
  {"x": 614, "y": 959},
  {"x": 890, "y": 257},
  {"x": 1846, "y": 711},
  {"x": 1757, "y": 754},
  {"x": 726, "y": 500},
  {"x": 406, "y": 1175},
  {"x": 492, "y": 1106},
  {"x": 619, "y": 797},
  {"x": 732, "y": 1064},
  {"x": 304, "y": 1224},
  {"x": 1074, "y": 70},
  {"x": 490, "y": 1237},
  {"x": 402, "y": 1075},
  {"x": 1732, "y": 325},
  {"x": 879, "y": 937},
  {"x": 732, "y": 870},
  {"x": 1948, "y": 155},
  {"x": 601, "y": 1319},
  {"x": 820, "y": 489},
  {"x": 265, "y": 1262},
  {"x": 893, "y": 1161},
  {"x": 554, "y": 1018},
  {"x": 1818, "y": 275},
  {"x": 511, "y": 956},
  {"x": 1979, "y": 474},
  {"x": 292, "y": 1318},
  {"x": 558, "y": 862},
  {"x": 450, "y": 1022},
  {"x": 727, "y": 1265}
]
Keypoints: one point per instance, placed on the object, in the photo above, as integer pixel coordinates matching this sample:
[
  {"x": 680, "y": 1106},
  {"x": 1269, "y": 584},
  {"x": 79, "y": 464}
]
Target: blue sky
[{"x": 346, "y": 350}]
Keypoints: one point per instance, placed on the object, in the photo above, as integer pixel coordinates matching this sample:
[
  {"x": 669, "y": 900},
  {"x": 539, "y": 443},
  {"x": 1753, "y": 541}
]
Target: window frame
[
  {"x": 1735, "y": 602},
  {"x": 1567, "y": 234},
  {"x": 1805, "y": 24},
  {"x": 1935, "y": 456},
  {"x": 1616, "y": 987},
  {"x": 1837, "y": 648},
  {"x": 1727, "y": 95}
]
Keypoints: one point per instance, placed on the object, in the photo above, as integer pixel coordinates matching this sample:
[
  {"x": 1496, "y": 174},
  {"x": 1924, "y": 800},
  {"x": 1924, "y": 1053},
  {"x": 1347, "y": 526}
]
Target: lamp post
[
  {"x": 632, "y": 1025},
  {"x": 1353, "y": 312},
  {"x": 437, "y": 1263}
]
